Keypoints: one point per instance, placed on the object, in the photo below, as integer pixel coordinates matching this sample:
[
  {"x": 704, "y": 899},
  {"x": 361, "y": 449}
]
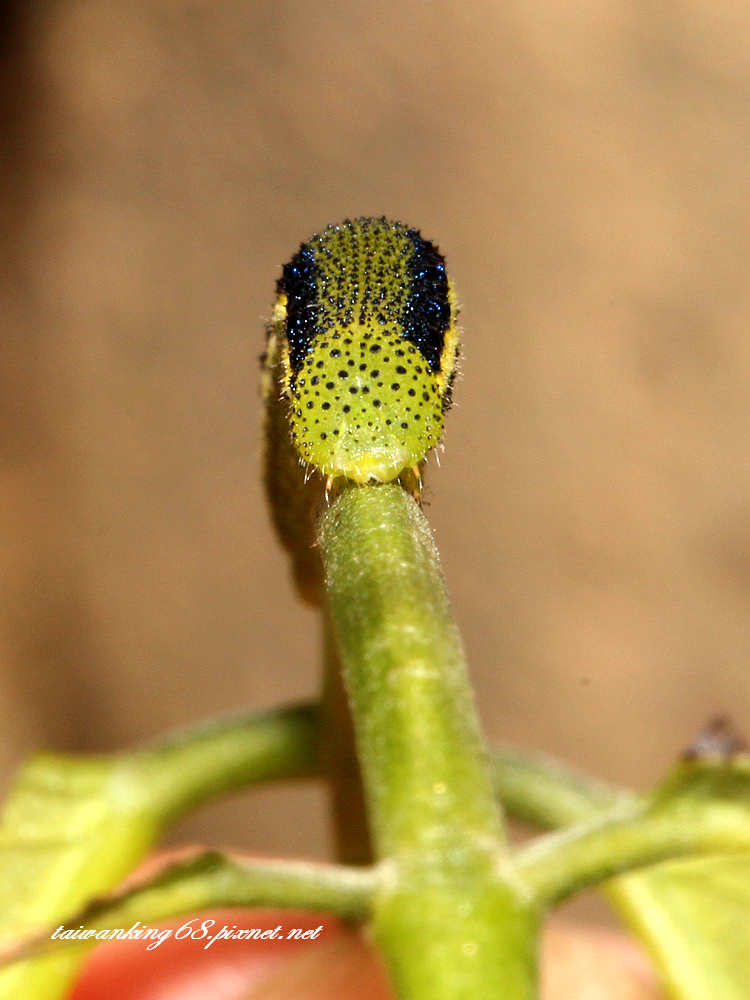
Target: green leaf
[
  {"x": 73, "y": 828},
  {"x": 694, "y": 918},
  {"x": 693, "y": 915}
]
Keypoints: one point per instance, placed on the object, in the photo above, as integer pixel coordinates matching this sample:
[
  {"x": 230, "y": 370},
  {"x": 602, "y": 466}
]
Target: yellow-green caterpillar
[{"x": 360, "y": 362}]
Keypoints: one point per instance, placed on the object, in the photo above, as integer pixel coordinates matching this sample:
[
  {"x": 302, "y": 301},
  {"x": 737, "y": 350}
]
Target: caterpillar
[{"x": 360, "y": 362}]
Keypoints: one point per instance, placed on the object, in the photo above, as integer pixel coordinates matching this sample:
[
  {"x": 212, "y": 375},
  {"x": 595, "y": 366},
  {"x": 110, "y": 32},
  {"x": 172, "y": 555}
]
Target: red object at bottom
[
  {"x": 220, "y": 955},
  {"x": 578, "y": 963}
]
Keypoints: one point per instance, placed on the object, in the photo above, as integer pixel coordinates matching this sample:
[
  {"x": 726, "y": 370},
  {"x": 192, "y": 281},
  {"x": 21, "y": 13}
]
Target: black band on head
[
  {"x": 319, "y": 297},
  {"x": 428, "y": 313},
  {"x": 299, "y": 280}
]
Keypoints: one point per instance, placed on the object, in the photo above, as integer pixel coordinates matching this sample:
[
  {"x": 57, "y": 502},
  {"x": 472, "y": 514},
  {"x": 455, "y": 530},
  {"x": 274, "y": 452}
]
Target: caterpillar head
[{"x": 366, "y": 335}]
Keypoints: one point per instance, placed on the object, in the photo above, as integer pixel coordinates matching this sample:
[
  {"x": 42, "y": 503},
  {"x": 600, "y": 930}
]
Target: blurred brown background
[{"x": 583, "y": 165}]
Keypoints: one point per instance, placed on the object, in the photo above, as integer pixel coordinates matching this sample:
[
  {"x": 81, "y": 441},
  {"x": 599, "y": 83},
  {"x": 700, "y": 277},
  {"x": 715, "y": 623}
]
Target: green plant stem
[
  {"x": 210, "y": 880},
  {"x": 449, "y": 918},
  {"x": 213, "y": 879},
  {"x": 189, "y": 768},
  {"x": 557, "y": 865},
  {"x": 545, "y": 793}
]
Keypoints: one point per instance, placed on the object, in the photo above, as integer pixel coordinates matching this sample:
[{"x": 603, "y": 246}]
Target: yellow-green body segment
[{"x": 364, "y": 338}]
